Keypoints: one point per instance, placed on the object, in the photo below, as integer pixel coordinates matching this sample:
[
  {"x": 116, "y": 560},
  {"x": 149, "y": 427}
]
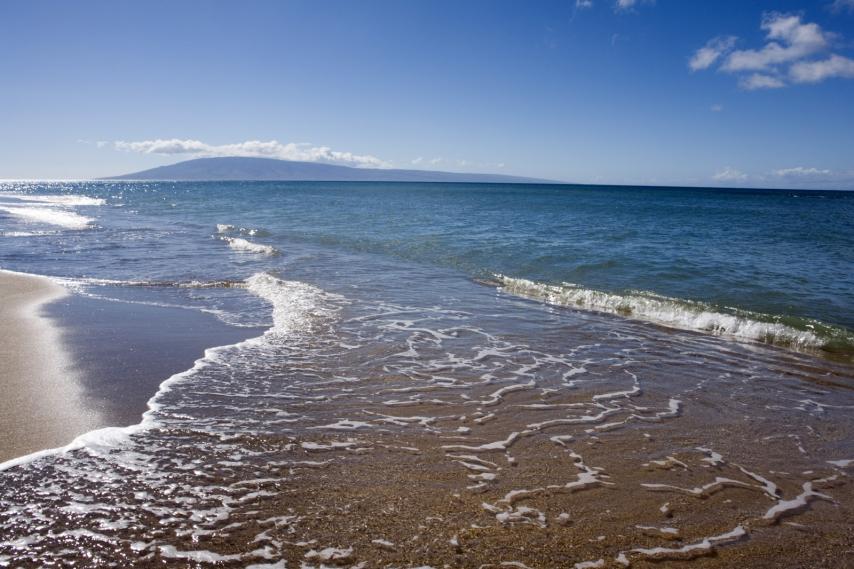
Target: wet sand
[
  {"x": 41, "y": 406},
  {"x": 123, "y": 351},
  {"x": 429, "y": 443},
  {"x": 70, "y": 364}
]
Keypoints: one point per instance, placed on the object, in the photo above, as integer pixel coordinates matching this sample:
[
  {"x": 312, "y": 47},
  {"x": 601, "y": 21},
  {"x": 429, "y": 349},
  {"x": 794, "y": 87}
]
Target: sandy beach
[
  {"x": 71, "y": 364},
  {"x": 631, "y": 461},
  {"x": 41, "y": 405}
]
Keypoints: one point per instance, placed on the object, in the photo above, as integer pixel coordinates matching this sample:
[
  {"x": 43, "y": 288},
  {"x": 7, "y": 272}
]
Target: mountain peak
[{"x": 272, "y": 169}]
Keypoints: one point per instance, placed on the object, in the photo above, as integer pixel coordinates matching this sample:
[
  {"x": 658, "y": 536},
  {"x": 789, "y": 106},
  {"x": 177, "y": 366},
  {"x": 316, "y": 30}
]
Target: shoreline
[
  {"x": 42, "y": 407},
  {"x": 615, "y": 467},
  {"x": 74, "y": 368}
]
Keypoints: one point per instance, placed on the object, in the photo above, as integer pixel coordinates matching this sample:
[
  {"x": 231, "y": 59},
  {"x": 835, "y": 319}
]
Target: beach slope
[{"x": 41, "y": 405}]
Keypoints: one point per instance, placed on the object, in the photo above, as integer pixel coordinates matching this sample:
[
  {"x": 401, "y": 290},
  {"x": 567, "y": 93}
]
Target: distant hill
[{"x": 240, "y": 168}]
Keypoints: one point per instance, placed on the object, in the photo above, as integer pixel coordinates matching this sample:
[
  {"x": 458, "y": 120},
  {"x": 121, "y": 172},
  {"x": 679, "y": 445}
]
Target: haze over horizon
[{"x": 585, "y": 91}]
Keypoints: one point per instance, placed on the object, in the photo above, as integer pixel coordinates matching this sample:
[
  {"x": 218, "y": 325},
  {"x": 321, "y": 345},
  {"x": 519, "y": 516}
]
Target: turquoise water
[{"x": 724, "y": 260}]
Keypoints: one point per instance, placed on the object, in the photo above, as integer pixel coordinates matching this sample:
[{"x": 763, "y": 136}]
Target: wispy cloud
[
  {"x": 792, "y": 177},
  {"x": 842, "y": 6},
  {"x": 729, "y": 174},
  {"x": 817, "y": 71},
  {"x": 300, "y": 151},
  {"x": 628, "y": 5},
  {"x": 620, "y": 6},
  {"x": 760, "y": 81},
  {"x": 710, "y": 53},
  {"x": 717, "y": 108},
  {"x": 800, "y": 172},
  {"x": 794, "y": 52}
]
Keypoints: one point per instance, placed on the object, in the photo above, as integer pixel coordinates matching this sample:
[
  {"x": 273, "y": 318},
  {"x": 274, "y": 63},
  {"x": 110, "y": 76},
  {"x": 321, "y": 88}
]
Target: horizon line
[{"x": 532, "y": 183}]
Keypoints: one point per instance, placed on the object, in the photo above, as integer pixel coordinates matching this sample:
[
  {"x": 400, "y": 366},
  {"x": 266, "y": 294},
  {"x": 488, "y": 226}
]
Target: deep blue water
[{"x": 787, "y": 256}]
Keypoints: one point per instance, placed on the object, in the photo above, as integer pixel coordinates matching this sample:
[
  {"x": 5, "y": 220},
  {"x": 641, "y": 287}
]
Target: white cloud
[
  {"x": 760, "y": 81},
  {"x": 811, "y": 177},
  {"x": 789, "y": 40},
  {"x": 795, "y": 177},
  {"x": 583, "y": 4},
  {"x": 300, "y": 151},
  {"x": 717, "y": 108},
  {"x": 794, "y": 52},
  {"x": 801, "y": 172},
  {"x": 435, "y": 161},
  {"x": 817, "y": 71},
  {"x": 626, "y": 5},
  {"x": 418, "y": 160},
  {"x": 707, "y": 55},
  {"x": 730, "y": 175},
  {"x": 841, "y": 5}
]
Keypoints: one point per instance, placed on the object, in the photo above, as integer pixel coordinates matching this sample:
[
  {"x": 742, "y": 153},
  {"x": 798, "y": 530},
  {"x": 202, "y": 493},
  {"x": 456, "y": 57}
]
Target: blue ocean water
[
  {"x": 451, "y": 375},
  {"x": 715, "y": 260}
]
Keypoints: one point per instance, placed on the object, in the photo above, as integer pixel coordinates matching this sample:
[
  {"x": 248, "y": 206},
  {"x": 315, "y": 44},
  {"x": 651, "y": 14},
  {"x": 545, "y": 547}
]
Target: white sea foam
[
  {"x": 49, "y": 215},
  {"x": 27, "y": 233},
  {"x": 799, "y": 502},
  {"x": 65, "y": 200},
  {"x": 229, "y": 228},
  {"x": 240, "y": 244},
  {"x": 296, "y": 306},
  {"x": 691, "y": 550},
  {"x": 670, "y": 312},
  {"x": 330, "y": 554}
]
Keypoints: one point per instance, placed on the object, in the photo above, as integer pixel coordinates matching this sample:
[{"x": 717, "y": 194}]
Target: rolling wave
[
  {"x": 50, "y": 216},
  {"x": 798, "y": 334},
  {"x": 51, "y": 210},
  {"x": 242, "y": 245},
  {"x": 63, "y": 200}
]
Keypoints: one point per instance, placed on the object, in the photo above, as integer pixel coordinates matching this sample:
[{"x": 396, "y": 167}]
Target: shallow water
[{"x": 398, "y": 413}]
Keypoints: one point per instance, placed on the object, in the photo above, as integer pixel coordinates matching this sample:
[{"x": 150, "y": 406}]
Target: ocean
[{"x": 448, "y": 371}]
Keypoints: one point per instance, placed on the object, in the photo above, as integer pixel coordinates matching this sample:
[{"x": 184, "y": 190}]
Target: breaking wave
[
  {"x": 75, "y": 283},
  {"x": 240, "y": 244},
  {"x": 51, "y": 210},
  {"x": 250, "y": 231},
  {"x": 64, "y": 200},
  {"x": 798, "y": 334},
  {"x": 50, "y": 216}
]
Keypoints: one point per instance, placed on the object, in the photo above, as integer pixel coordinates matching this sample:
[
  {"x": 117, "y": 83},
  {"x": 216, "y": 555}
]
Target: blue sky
[{"x": 693, "y": 92}]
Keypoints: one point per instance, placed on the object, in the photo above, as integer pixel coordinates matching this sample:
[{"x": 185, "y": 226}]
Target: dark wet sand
[
  {"x": 123, "y": 351},
  {"x": 422, "y": 500},
  {"x": 70, "y": 364}
]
